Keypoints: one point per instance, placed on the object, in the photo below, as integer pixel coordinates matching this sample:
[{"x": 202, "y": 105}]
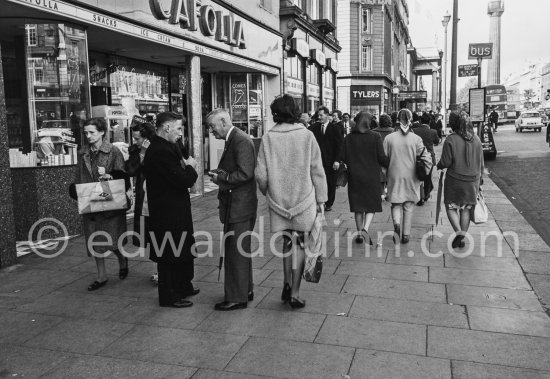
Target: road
[{"x": 522, "y": 171}]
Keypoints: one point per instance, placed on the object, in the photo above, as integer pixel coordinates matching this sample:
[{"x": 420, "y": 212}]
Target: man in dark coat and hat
[{"x": 169, "y": 176}]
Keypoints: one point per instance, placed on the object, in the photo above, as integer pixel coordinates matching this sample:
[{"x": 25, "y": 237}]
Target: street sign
[
  {"x": 480, "y": 50},
  {"x": 412, "y": 95},
  {"x": 468, "y": 70},
  {"x": 477, "y": 104}
]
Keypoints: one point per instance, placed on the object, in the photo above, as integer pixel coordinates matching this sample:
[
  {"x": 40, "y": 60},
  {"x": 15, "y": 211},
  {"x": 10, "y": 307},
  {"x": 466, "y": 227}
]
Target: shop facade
[{"x": 66, "y": 61}]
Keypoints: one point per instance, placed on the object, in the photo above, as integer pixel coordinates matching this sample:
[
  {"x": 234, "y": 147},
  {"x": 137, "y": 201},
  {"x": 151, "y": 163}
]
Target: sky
[{"x": 525, "y": 31}]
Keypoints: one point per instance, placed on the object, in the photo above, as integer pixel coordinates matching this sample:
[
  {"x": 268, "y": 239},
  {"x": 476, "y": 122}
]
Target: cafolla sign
[{"x": 212, "y": 23}]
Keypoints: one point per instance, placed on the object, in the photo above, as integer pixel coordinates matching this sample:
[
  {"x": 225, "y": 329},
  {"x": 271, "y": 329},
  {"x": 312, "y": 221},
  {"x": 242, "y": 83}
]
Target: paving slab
[
  {"x": 383, "y": 270},
  {"x": 487, "y": 347},
  {"x": 316, "y": 302},
  {"x": 19, "y": 327},
  {"x": 31, "y": 283},
  {"x": 276, "y": 264},
  {"x": 415, "y": 259},
  {"x": 79, "y": 336},
  {"x": 493, "y": 297},
  {"x": 541, "y": 286},
  {"x": 479, "y": 278},
  {"x": 535, "y": 262},
  {"x": 215, "y": 374},
  {"x": 292, "y": 359},
  {"x": 470, "y": 370},
  {"x": 87, "y": 367},
  {"x": 176, "y": 346},
  {"x": 379, "y": 364},
  {"x": 265, "y": 323},
  {"x": 328, "y": 283},
  {"x": 396, "y": 289},
  {"x": 483, "y": 263},
  {"x": 75, "y": 305},
  {"x": 25, "y": 362},
  {"x": 373, "y": 334},
  {"x": 406, "y": 311},
  {"x": 529, "y": 242},
  {"x": 509, "y": 321}
]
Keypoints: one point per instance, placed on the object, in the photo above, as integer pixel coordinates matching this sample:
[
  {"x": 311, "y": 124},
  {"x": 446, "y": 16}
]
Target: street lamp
[
  {"x": 395, "y": 92},
  {"x": 445, "y": 23}
]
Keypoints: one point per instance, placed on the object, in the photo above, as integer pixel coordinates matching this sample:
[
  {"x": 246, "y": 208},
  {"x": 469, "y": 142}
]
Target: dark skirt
[
  {"x": 364, "y": 196},
  {"x": 112, "y": 223},
  {"x": 460, "y": 192}
]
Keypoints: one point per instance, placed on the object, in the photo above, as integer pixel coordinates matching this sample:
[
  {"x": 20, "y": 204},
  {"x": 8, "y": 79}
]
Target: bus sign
[
  {"x": 480, "y": 50},
  {"x": 468, "y": 70}
]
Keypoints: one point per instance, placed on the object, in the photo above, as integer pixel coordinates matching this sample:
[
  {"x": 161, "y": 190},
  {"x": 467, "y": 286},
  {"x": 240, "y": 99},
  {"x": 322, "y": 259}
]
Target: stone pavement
[{"x": 373, "y": 315}]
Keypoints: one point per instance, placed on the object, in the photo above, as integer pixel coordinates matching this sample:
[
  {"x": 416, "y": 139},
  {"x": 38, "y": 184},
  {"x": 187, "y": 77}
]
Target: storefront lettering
[
  {"x": 104, "y": 20},
  {"x": 366, "y": 94},
  {"x": 211, "y": 23},
  {"x": 45, "y": 3}
]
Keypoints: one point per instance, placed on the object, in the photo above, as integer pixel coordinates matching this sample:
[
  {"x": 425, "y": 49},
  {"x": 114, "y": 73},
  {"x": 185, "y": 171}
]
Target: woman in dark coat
[
  {"x": 100, "y": 160},
  {"x": 141, "y": 135},
  {"x": 363, "y": 156}
]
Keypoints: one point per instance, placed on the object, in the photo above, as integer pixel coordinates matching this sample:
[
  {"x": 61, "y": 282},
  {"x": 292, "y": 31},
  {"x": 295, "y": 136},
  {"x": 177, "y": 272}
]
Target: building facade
[
  {"x": 310, "y": 52},
  {"x": 66, "y": 61},
  {"x": 374, "y": 62}
]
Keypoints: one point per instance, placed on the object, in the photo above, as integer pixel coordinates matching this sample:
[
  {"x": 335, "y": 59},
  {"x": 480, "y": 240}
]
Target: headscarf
[
  {"x": 363, "y": 121},
  {"x": 465, "y": 129},
  {"x": 405, "y": 116}
]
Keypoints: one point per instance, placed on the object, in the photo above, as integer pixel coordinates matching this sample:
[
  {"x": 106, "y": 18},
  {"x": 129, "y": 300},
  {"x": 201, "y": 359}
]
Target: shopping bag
[
  {"x": 101, "y": 196},
  {"x": 480, "y": 214},
  {"x": 342, "y": 176},
  {"x": 314, "y": 250}
]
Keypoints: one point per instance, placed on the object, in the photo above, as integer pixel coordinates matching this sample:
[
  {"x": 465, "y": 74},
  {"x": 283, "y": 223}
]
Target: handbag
[
  {"x": 102, "y": 196},
  {"x": 314, "y": 250},
  {"x": 480, "y": 214},
  {"x": 342, "y": 176},
  {"x": 420, "y": 167}
]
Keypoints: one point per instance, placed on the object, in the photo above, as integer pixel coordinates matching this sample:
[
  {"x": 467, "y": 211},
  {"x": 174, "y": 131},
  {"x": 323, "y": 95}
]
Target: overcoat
[
  {"x": 134, "y": 168},
  {"x": 111, "y": 222},
  {"x": 331, "y": 143},
  {"x": 168, "y": 183}
]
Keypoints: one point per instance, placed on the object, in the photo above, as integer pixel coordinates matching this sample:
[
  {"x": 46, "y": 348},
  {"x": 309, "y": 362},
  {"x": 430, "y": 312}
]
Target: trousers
[
  {"x": 238, "y": 261},
  {"x": 174, "y": 281},
  {"x": 331, "y": 185},
  {"x": 406, "y": 210}
]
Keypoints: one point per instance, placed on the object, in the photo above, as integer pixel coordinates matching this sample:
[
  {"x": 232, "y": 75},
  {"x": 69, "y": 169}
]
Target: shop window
[
  {"x": 32, "y": 37},
  {"x": 366, "y": 58},
  {"x": 44, "y": 124},
  {"x": 366, "y": 20}
]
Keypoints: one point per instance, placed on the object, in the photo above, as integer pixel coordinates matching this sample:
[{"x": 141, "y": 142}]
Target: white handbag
[{"x": 480, "y": 214}]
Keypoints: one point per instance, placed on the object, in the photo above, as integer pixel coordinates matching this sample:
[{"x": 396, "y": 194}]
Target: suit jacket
[
  {"x": 429, "y": 138},
  {"x": 238, "y": 185},
  {"x": 351, "y": 125},
  {"x": 168, "y": 200},
  {"x": 331, "y": 143}
]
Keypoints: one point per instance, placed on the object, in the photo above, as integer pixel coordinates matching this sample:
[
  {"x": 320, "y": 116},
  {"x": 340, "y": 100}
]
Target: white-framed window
[
  {"x": 366, "y": 58},
  {"x": 294, "y": 67},
  {"x": 313, "y": 9},
  {"x": 37, "y": 68},
  {"x": 313, "y": 74},
  {"x": 328, "y": 82},
  {"x": 299, "y": 3},
  {"x": 32, "y": 36},
  {"x": 366, "y": 20}
]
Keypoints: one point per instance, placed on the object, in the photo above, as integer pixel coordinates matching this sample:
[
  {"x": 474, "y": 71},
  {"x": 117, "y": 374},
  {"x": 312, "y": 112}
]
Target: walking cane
[{"x": 225, "y": 227}]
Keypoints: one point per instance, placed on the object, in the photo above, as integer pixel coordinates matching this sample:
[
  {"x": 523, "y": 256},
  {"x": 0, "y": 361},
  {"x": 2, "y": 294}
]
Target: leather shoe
[
  {"x": 96, "y": 285},
  {"x": 328, "y": 209},
  {"x": 123, "y": 272},
  {"x": 297, "y": 303},
  {"x": 420, "y": 203},
  {"x": 285, "y": 296},
  {"x": 228, "y": 306},
  {"x": 405, "y": 239},
  {"x": 251, "y": 296},
  {"x": 194, "y": 292},
  {"x": 182, "y": 303}
]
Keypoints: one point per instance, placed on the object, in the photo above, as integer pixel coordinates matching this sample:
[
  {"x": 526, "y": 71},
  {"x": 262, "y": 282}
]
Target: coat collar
[
  {"x": 105, "y": 147},
  {"x": 284, "y": 127}
]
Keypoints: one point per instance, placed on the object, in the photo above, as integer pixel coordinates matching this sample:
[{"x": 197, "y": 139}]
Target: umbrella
[
  {"x": 225, "y": 227},
  {"x": 439, "y": 193}
]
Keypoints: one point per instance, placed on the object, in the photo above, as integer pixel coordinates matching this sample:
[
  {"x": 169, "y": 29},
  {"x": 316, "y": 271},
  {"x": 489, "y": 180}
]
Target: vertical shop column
[
  {"x": 195, "y": 117},
  {"x": 8, "y": 254}
]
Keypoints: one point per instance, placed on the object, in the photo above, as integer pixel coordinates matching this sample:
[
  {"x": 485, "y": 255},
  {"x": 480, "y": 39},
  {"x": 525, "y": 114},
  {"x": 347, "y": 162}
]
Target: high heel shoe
[
  {"x": 297, "y": 303},
  {"x": 285, "y": 296},
  {"x": 97, "y": 285},
  {"x": 123, "y": 272},
  {"x": 457, "y": 241},
  {"x": 368, "y": 235}
]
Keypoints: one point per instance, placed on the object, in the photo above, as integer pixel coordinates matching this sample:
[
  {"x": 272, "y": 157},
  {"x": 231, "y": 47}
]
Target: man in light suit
[
  {"x": 331, "y": 142},
  {"x": 237, "y": 195},
  {"x": 348, "y": 123}
]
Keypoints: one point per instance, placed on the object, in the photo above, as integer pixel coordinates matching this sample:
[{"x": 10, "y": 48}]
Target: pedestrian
[
  {"x": 331, "y": 143},
  {"x": 462, "y": 156},
  {"x": 438, "y": 126},
  {"x": 290, "y": 174},
  {"x": 168, "y": 179},
  {"x": 337, "y": 120},
  {"x": 402, "y": 149},
  {"x": 493, "y": 119},
  {"x": 100, "y": 160},
  {"x": 364, "y": 156},
  {"x": 429, "y": 139},
  {"x": 141, "y": 135},
  {"x": 238, "y": 206},
  {"x": 385, "y": 129},
  {"x": 305, "y": 119},
  {"x": 348, "y": 123}
]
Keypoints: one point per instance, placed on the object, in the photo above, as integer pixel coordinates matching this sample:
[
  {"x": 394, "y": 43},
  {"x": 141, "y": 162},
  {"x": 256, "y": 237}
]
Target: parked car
[{"x": 529, "y": 120}]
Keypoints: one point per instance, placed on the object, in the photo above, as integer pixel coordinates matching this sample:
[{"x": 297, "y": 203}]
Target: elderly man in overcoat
[
  {"x": 168, "y": 179},
  {"x": 237, "y": 196}
]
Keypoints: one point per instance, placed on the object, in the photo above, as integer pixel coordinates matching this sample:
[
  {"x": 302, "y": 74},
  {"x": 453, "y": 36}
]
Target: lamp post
[
  {"x": 445, "y": 23},
  {"x": 395, "y": 92}
]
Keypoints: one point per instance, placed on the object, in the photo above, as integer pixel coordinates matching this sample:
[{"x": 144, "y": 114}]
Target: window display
[{"x": 55, "y": 59}]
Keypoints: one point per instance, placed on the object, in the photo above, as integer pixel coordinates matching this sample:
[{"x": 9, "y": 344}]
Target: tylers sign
[{"x": 192, "y": 17}]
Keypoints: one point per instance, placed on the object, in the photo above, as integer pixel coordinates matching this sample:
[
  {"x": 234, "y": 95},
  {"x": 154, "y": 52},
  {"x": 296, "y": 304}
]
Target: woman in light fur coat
[{"x": 290, "y": 174}]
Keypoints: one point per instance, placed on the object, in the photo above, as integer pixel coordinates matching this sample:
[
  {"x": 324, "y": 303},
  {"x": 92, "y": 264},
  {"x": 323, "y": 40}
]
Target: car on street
[{"x": 529, "y": 120}]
